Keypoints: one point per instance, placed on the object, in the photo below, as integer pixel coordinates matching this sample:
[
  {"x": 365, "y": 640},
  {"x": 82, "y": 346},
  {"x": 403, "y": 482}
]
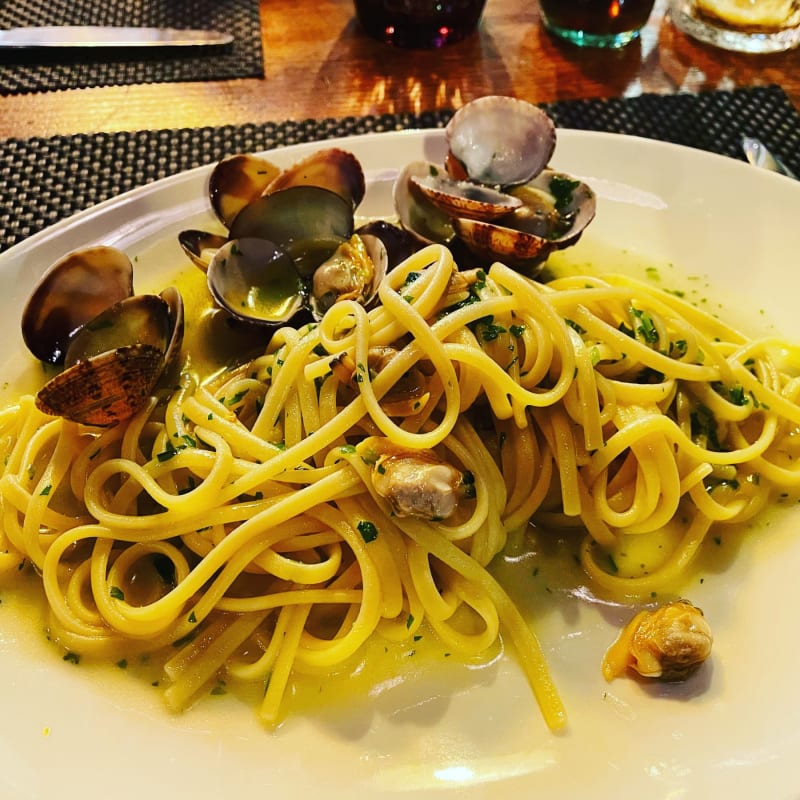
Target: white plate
[{"x": 70, "y": 732}]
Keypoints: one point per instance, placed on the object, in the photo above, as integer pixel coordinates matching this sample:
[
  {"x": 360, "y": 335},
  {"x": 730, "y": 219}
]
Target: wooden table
[{"x": 319, "y": 63}]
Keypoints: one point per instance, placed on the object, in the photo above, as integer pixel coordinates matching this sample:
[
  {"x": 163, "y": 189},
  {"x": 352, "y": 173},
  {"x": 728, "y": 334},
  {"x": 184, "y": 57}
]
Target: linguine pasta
[{"x": 237, "y": 525}]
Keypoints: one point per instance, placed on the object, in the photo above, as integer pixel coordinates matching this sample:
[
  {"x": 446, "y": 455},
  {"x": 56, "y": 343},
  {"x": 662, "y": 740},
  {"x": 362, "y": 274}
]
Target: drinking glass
[
  {"x": 419, "y": 23},
  {"x": 596, "y": 23},
  {"x": 747, "y": 26}
]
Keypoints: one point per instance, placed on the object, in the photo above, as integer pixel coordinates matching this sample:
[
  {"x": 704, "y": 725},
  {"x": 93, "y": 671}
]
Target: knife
[{"x": 109, "y": 36}]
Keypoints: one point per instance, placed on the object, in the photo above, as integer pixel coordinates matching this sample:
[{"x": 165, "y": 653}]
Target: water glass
[
  {"x": 419, "y": 23},
  {"x": 596, "y": 23},
  {"x": 747, "y": 26}
]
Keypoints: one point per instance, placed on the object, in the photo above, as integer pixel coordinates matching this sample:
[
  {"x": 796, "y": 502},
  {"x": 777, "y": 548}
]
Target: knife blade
[{"x": 109, "y": 36}]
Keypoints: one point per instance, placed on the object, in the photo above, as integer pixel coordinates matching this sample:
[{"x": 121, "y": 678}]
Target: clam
[
  {"x": 555, "y": 210},
  {"x": 555, "y": 206},
  {"x": 200, "y": 246},
  {"x": 114, "y": 361},
  {"x": 500, "y": 141},
  {"x": 236, "y": 181},
  {"x": 494, "y": 198},
  {"x": 353, "y": 272},
  {"x": 397, "y": 241},
  {"x": 172, "y": 297},
  {"x": 417, "y": 483},
  {"x": 256, "y": 280},
  {"x": 408, "y": 396},
  {"x": 74, "y": 290},
  {"x": 669, "y": 643}
]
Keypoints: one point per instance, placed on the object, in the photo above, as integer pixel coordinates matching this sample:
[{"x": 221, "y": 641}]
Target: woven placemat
[
  {"x": 45, "y": 179},
  {"x": 34, "y": 71}
]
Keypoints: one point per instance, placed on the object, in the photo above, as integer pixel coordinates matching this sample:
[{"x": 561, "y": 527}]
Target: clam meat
[
  {"x": 668, "y": 643},
  {"x": 417, "y": 483}
]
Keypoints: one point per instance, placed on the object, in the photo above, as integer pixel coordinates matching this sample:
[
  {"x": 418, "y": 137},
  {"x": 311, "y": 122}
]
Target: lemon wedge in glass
[{"x": 750, "y": 13}]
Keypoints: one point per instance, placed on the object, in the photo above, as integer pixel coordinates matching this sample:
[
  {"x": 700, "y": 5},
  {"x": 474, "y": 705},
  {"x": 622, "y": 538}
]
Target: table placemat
[
  {"x": 35, "y": 71},
  {"x": 45, "y": 179}
]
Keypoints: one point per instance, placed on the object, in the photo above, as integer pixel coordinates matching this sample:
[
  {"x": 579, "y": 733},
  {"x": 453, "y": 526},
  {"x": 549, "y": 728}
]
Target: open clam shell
[
  {"x": 464, "y": 198},
  {"x": 73, "y": 291},
  {"x": 555, "y": 206},
  {"x": 141, "y": 319},
  {"x": 307, "y": 222},
  {"x": 418, "y": 214},
  {"x": 353, "y": 272},
  {"x": 256, "y": 280},
  {"x": 114, "y": 362},
  {"x": 236, "y": 181},
  {"x": 200, "y": 246},
  {"x": 399, "y": 243},
  {"x": 103, "y": 390},
  {"x": 501, "y": 141},
  {"x": 556, "y": 209},
  {"x": 174, "y": 300}
]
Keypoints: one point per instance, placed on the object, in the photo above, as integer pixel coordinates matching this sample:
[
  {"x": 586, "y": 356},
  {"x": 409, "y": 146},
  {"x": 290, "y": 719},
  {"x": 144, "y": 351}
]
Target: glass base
[
  {"x": 418, "y": 37},
  {"x": 584, "y": 39},
  {"x": 688, "y": 21}
]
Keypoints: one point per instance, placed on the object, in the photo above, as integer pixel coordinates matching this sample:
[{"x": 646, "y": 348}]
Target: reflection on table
[{"x": 322, "y": 64}]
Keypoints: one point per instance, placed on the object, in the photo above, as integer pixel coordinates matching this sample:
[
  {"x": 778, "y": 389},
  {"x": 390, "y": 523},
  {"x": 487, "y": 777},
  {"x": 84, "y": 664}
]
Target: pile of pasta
[{"x": 236, "y": 523}]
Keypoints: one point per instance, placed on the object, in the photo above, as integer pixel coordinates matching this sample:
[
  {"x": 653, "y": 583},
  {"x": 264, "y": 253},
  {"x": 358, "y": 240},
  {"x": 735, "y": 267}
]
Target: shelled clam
[
  {"x": 292, "y": 247},
  {"x": 495, "y": 194},
  {"x": 114, "y": 345}
]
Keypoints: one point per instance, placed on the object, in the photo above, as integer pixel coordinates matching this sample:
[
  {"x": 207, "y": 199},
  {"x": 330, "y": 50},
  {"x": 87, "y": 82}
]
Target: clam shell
[
  {"x": 332, "y": 168},
  {"x": 493, "y": 242},
  {"x": 555, "y": 206},
  {"x": 255, "y": 280},
  {"x": 353, "y": 272},
  {"x": 200, "y": 246},
  {"x": 141, "y": 319},
  {"x": 174, "y": 300},
  {"x": 73, "y": 291},
  {"x": 308, "y": 222},
  {"x": 399, "y": 243},
  {"x": 464, "y": 198},
  {"x": 236, "y": 181},
  {"x": 417, "y": 214},
  {"x": 501, "y": 141},
  {"x": 105, "y": 389}
]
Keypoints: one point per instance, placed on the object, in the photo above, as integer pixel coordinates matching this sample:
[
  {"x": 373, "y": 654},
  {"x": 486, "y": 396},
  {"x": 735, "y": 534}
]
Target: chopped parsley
[
  {"x": 170, "y": 451},
  {"x": 704, "y": 427},
  {"x": 646, "y": 329},
  {"x": 574, "y": 325},
  {"x": 368, "y": 531},
  {"x": 563, "y": 189},
  {"x": 237, "y": 398},
  {"x": 733, "y": 394}
]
